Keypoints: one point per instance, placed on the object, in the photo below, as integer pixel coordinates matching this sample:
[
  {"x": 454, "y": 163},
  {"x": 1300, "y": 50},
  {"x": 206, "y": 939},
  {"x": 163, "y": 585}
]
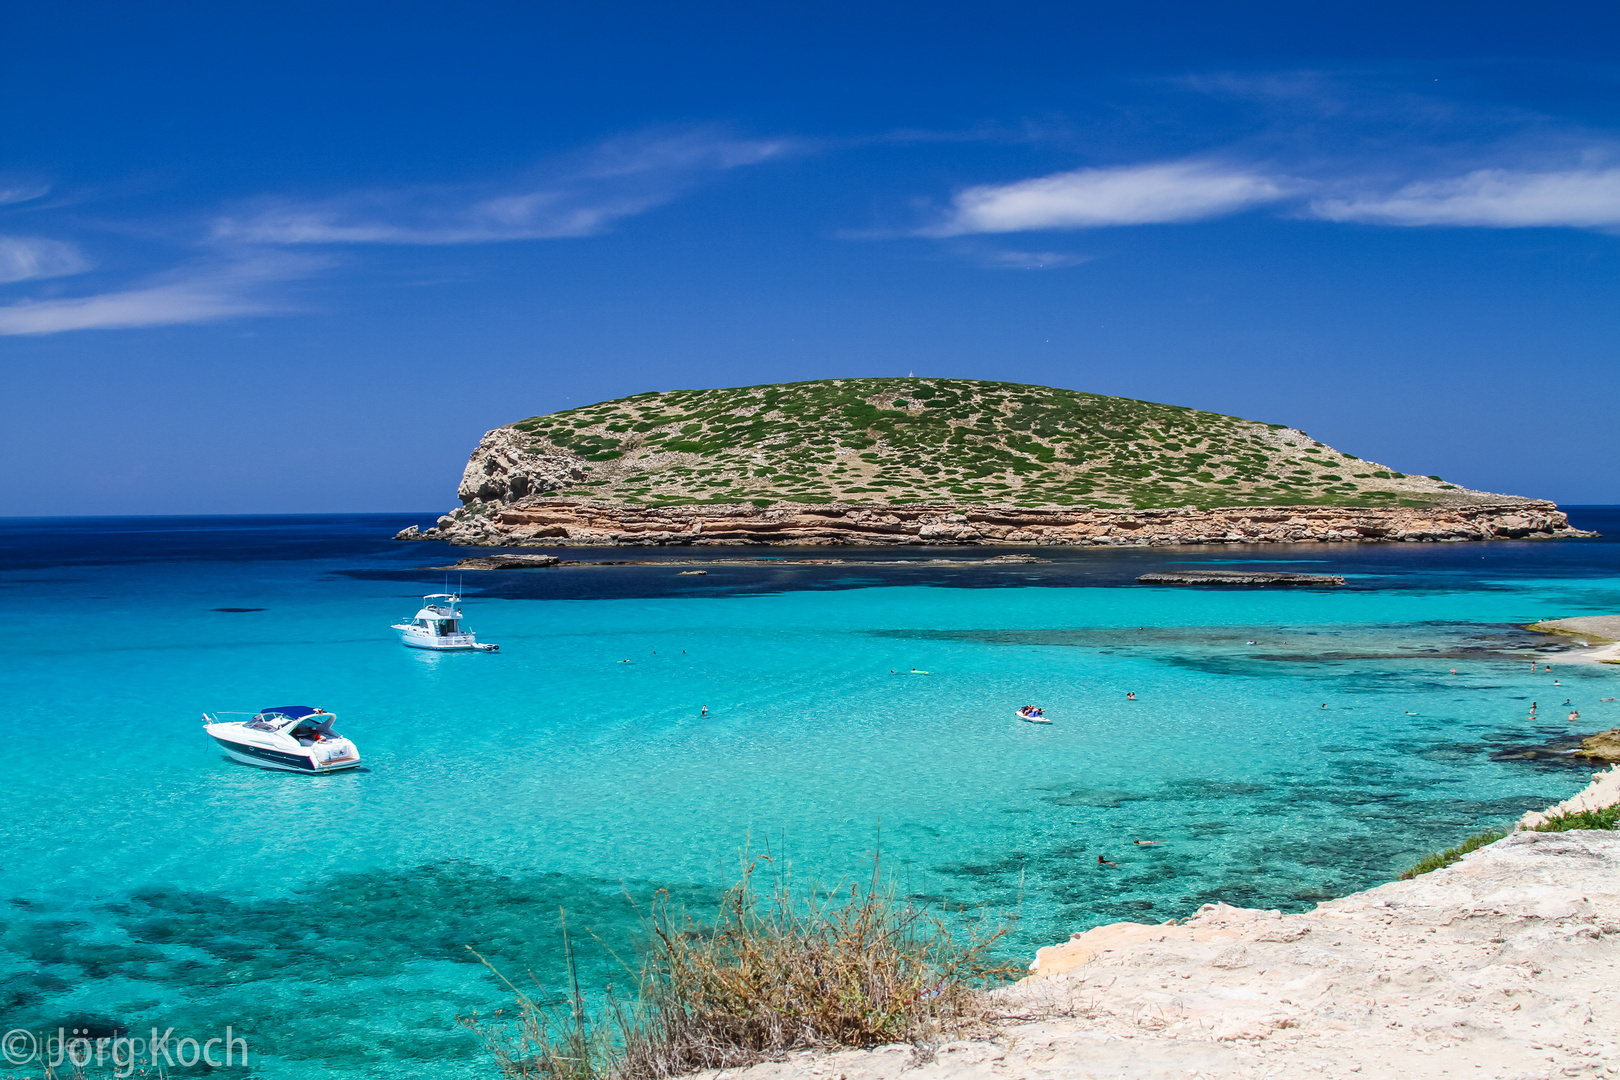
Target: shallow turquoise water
[{"x": 151, "y": 881}]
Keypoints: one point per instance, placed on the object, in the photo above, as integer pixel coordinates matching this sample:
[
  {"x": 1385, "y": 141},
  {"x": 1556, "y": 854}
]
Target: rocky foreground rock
[
  {"x": 567, "y": 522},
  {"x": 1502, "y": 966}
]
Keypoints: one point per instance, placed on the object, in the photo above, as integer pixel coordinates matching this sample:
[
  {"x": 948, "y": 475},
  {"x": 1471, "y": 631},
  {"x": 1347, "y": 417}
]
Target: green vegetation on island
[{"x": 922, "y": 440}]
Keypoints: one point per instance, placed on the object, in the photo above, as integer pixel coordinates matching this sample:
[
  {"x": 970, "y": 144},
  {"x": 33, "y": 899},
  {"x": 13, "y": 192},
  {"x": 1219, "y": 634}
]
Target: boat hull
[
  {"x": 267, "y": 758},
  {"x": 458, "y": 643}
]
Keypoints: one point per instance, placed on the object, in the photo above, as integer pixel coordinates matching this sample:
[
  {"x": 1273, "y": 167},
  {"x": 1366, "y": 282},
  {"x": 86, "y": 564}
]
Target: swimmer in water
[
  {"x": 1104, "y": 862},
  {"x": 1131, "y": 696},
  {"x": 1148, "y": 843}
]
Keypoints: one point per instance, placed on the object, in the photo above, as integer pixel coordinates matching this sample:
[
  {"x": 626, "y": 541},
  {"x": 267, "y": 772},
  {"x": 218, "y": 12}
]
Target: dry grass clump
[{"x": 771, "y": 974}]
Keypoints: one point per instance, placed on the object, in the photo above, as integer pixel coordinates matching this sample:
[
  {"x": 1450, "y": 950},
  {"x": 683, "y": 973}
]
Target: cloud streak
[
  {"x": 1161, "y": 193},
  {"x": 24, "y": 258},
  {"x": 203, "y": 294},
  {"x": 17, "y": 193},
  {"x": 1491, "y": 198},
  {"x": 579, "y": 196}
]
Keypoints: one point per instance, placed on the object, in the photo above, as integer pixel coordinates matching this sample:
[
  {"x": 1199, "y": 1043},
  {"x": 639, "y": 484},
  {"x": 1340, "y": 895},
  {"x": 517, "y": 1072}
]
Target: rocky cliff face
[
  {"x": 566, "y": 522},
  {"x": 504, "y": 470}
]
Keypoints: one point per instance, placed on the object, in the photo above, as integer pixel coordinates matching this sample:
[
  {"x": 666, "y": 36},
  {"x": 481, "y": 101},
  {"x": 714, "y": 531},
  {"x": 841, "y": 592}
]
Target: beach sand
[{"x": 1501, "y": 966}]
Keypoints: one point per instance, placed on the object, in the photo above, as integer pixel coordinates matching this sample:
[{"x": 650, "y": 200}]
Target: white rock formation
[{"x": 1501, "y": 967}]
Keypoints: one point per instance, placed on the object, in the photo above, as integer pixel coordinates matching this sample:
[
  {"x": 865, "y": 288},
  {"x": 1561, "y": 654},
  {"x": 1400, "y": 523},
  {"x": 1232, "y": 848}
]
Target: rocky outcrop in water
[
  {"x": 1604, "y": 746},
  {"x": 1237, "y": 578},
  {"x": 571, "y": 522}
]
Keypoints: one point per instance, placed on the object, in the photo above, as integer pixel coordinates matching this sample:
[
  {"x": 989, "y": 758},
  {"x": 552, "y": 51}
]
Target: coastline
[
  {"x": 1500, "y": 965},
  {"x": 566, "y": 523},
  {"x": 1601, "y": 629}
]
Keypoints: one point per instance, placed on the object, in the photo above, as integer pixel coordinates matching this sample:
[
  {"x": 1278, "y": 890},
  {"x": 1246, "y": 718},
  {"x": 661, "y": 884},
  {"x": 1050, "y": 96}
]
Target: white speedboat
[
  {"x": 295, "y": 738},
  {"x": 1033, "y": 715},
  {"x": 438, "y": 626}
]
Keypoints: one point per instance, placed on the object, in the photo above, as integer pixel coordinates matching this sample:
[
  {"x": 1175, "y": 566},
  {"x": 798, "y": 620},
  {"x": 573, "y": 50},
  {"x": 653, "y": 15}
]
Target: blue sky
[{"x": 299, "y": 257}]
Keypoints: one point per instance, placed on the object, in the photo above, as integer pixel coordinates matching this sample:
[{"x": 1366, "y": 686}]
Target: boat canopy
[{"x": 291, "y": 712}]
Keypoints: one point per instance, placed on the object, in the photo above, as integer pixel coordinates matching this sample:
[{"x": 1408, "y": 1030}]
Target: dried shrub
[{"x": 773, "y": 972}]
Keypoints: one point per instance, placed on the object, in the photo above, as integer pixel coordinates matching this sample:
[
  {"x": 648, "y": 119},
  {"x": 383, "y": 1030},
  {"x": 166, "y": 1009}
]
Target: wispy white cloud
[
  {"x": 1492, "y": 198},
  {"x": 24, "y": 258},
  {"x": 15, "y": 193},
  {"x": 579, "y": 196},
  {"x": 1028, "y": 260},
  {"x": 1166, "y": 192},
  {"x": 201, "y": 294}
]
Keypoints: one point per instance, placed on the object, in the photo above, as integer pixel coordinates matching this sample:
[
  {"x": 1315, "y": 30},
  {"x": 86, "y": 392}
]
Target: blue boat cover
[{"x": 292, "y": 712}]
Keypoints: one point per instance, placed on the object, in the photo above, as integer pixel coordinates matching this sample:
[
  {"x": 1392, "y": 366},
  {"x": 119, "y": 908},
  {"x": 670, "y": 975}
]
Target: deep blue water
[{"x": 147, "y": 880}]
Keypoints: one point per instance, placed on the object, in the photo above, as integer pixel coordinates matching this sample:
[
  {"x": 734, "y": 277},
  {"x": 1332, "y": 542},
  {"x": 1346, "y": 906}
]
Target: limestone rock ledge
[
  {"x": 568, "y": 522},
  {"x": 1501, "y": 966}
]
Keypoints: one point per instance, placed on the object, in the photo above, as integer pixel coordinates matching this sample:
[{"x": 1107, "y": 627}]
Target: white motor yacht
[
  {"x": 295, "y": 738},
  {"x": 438, "y": 626}
]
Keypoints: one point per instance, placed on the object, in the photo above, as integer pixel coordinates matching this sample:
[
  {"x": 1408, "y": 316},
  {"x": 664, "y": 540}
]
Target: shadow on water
[{"x": 188, "y": 958}]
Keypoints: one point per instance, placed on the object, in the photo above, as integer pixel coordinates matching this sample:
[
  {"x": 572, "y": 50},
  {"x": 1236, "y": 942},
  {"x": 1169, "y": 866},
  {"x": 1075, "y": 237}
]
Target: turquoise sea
[{"x": 149, "y": 881}]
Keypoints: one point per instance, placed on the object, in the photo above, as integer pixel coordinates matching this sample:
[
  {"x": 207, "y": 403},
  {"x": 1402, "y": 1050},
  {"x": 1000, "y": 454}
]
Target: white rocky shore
[{"x": 1502, "y": 966}]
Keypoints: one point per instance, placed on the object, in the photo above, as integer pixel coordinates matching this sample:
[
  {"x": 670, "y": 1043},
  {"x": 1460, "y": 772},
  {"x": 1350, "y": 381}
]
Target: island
[{"x": 943, "y": 461}]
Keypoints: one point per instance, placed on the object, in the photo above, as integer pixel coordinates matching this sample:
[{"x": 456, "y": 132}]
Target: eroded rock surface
[
  {"x": 1604, "y": 746},
  {"x": 1501, "y": 966},
  {"x": 562, "y": 522}
]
